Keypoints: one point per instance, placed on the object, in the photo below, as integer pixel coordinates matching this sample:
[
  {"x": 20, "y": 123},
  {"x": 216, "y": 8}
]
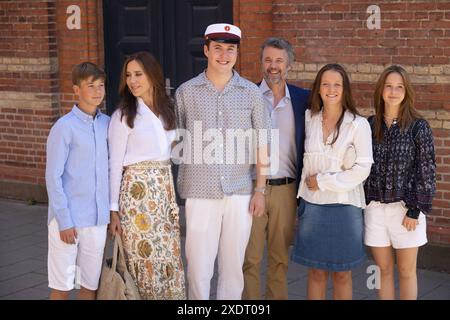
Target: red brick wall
[
  {"x": 37, "y": 53},
  {"x": 28, "y": 83},
  {"x": 254, "y": 17},
  {"x": 414, "y": 34},
  {"x": 75, "y": 46}
]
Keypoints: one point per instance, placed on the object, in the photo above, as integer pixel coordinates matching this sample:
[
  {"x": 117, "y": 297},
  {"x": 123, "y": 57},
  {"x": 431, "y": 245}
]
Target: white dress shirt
[
  {"x": 284, "y": 158},
  {"x": 338, "y": 181},
  {"x": 147, "y": 141}
]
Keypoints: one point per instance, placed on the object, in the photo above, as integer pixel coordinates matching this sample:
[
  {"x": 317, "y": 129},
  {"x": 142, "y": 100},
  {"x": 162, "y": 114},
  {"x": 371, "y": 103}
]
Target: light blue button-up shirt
[{"x": 76, "y": 173}]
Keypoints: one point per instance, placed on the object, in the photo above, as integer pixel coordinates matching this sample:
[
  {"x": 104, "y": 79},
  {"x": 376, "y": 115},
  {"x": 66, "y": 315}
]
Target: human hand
[
  {"x": 114, "y": 224},
  {"x": 311, "y": 183},
  {"x": 409, "y": 223},
  {"x": 257, "y": 204},
  {"x": 68, "y": 236}
]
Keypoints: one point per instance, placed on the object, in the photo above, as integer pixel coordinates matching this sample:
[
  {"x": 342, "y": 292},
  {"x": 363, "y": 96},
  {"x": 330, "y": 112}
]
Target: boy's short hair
[
  {"x": 208, "y": 42},
  {"x": 85, "y": 70}
]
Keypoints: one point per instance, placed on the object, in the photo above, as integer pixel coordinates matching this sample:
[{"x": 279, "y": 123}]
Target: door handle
[{"x": 168, "y": 87}]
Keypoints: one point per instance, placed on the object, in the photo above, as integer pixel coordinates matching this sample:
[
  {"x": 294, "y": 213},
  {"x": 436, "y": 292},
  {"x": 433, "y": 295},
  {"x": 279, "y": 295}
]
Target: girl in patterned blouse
[{"x": 401, "y": 185}]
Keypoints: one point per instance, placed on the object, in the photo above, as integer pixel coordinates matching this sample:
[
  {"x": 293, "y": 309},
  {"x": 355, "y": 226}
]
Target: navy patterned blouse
[{"x": 404, "y": 167}]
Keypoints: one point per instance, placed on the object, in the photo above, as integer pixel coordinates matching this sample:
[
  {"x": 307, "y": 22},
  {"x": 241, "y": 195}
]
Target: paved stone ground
[{"x": 23, "y": 260}]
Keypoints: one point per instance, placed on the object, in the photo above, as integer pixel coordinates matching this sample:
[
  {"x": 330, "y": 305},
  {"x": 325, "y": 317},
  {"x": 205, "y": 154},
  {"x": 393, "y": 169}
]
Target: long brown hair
[
  {"x": 316, "y": 102},
  {"x": 407, "y": 113},
  {"x": 162, "y": 103}
]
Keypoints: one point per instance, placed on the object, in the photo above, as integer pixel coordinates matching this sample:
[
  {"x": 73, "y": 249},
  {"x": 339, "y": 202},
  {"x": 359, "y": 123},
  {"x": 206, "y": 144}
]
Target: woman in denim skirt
[{"x": 337, "y": 160}]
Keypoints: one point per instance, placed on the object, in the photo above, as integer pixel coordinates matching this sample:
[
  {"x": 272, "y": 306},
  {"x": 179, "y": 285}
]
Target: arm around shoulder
[{"x": 363, "y": 141}]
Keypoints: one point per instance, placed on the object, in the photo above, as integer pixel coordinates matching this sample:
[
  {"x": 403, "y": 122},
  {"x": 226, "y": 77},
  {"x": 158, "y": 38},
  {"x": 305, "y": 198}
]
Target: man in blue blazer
[{"x": 286, "y": 104}]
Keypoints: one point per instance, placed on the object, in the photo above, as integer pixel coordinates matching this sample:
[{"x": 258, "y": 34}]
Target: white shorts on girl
[
  {"x": 74, "y": 265},
  {"x": 383, "y": 226}
]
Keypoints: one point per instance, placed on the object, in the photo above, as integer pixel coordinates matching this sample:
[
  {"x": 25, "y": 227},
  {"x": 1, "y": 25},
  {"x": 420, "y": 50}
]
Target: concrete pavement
[{"x": 23, "y": 261}]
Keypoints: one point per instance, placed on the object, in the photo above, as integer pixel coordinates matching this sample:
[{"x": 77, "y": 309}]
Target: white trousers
[{"x": 217, "y": 227}]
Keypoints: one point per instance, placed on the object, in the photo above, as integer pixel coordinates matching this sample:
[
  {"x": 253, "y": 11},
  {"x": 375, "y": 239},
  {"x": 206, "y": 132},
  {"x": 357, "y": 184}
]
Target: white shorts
[
  {"x": 82, "y": 260},
  {"x": 383, "y": 226}
]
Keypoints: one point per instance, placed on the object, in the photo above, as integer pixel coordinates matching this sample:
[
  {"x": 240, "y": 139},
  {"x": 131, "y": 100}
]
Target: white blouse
[
  {"x": 341, "y": 168},
  {"x": 148, "y": 140}
]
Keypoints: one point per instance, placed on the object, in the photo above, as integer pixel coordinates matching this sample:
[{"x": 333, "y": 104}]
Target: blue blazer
[{"x": 299, "y": 100}]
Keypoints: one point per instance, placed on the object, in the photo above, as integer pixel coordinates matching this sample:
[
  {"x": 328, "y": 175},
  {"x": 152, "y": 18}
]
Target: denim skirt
[{"x": 329, "y": 236}]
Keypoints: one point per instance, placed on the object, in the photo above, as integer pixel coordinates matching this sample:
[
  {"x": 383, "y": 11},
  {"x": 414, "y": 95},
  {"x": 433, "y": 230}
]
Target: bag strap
[
  {"x": 115, "y": 251},
  {"x": 121, "y": 255},
  {"x": 104, "y": 251}
]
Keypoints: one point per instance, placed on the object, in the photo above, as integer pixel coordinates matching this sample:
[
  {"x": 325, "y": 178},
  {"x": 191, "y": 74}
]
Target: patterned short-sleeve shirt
[{"x": 209, "y": 123}]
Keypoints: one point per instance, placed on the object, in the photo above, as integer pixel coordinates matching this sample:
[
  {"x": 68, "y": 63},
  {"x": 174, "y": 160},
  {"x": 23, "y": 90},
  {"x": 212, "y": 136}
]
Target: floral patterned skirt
[{"x": 151, "y": 231}]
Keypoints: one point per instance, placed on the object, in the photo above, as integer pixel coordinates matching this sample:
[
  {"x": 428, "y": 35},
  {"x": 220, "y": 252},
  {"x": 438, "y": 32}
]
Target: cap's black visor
[{"x": 231, "y": 41}]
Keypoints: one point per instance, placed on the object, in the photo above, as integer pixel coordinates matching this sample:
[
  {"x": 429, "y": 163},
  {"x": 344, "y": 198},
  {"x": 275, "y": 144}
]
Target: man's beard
[{"x": 274, "y": 78}]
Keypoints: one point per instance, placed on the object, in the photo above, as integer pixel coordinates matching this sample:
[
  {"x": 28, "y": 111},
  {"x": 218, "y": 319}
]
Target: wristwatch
[{"x": 262, "y": 190}]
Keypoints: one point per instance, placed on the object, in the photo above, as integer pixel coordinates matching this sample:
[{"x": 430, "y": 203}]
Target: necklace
[
  {"x": 328, "y": 127},
  {"x": 390, "y": 120}
]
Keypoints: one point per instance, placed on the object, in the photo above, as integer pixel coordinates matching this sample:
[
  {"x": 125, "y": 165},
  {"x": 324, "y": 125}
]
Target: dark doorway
[{"x": 172, "y": 30}]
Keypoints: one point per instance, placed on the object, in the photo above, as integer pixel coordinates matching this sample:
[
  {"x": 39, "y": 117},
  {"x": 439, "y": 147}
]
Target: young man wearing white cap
[{"x": 220, "y": 197}]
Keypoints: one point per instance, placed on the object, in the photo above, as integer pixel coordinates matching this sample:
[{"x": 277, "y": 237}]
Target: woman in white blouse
[
  {"x": 337, "y": 160},
  {"x": 143, "y": 203}
]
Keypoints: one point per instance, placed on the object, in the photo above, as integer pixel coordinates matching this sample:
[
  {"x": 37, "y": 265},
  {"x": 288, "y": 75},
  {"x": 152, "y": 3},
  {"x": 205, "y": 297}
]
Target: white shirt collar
[
  {"x": 142, "y": 108},
  {"x": 83, "y": 115},
  {"x": 265, "y": 89}
]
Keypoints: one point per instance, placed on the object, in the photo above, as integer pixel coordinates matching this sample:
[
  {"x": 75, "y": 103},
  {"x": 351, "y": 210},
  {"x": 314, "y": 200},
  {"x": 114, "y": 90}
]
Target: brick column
[
  {"x": 75, "y": 46},
  {"x": 254, "y": 17}
]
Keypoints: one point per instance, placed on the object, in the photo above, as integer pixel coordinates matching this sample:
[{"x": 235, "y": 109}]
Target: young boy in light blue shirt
[{"x": 77, "y": 185}]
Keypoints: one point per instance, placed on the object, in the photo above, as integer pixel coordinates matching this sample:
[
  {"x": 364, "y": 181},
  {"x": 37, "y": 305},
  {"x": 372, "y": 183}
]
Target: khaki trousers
[{"x": 277, "y": 227}]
